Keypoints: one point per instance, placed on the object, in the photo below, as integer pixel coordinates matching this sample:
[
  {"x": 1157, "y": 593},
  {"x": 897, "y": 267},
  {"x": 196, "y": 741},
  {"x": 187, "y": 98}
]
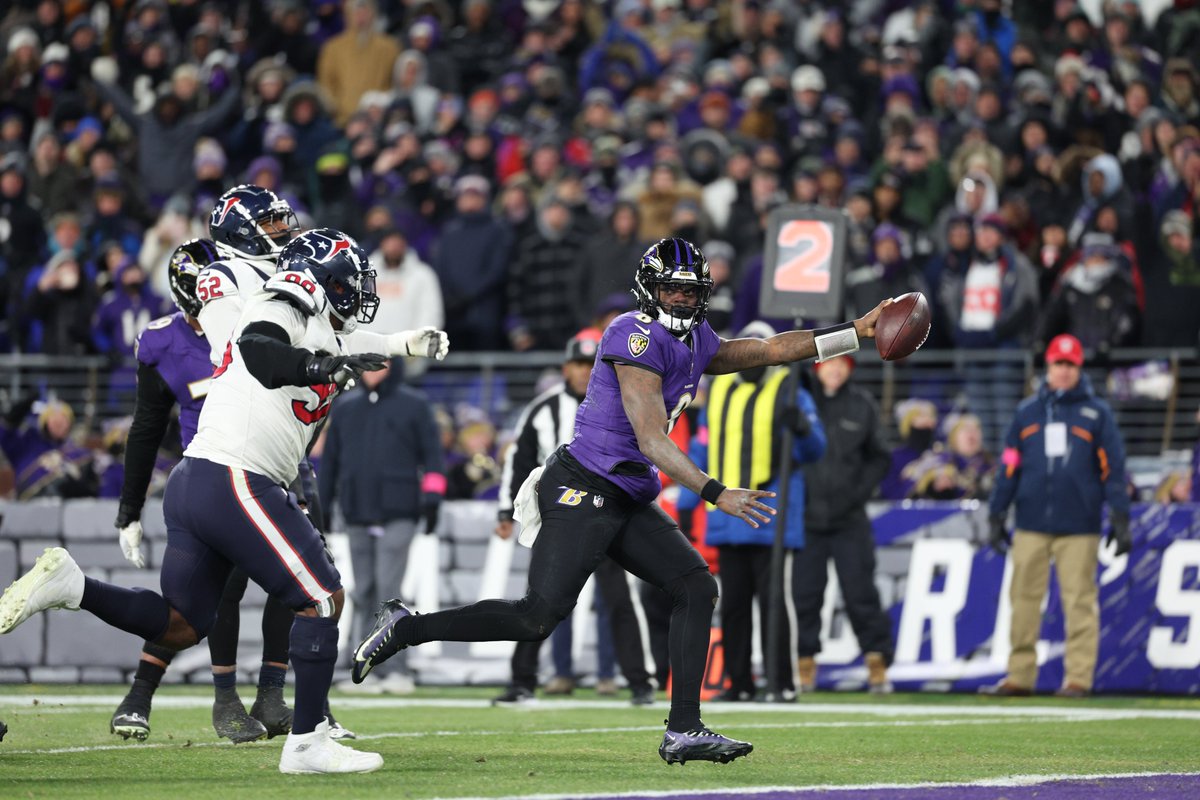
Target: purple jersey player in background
[
  {"x": 174, "y": 368},
  {"x": 596, "y": 495}
]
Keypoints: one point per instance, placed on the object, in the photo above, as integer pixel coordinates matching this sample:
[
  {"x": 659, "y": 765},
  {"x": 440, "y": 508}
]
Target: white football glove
[
  {"x": 427, "y": 342},
  {"x": 300, "y": 289},
  {"x": 131, "y": 544}
]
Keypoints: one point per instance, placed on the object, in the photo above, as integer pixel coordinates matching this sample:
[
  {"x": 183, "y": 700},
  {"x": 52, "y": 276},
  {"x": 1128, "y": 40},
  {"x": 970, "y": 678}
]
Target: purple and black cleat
[
  {"x": 380, "y": 644},
  {"x": 701, "y": 744}
]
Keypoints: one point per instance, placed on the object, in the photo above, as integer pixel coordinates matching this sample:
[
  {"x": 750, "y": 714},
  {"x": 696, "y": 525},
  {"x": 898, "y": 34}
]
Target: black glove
[
  {"x": 1120, "y": 534},
  {"x": 430, "y": 515},
  {"x": 342, "y": 369},
  {"x": 798, "y": 421},
  {"x": 126, "y": 514},
  {"x": 998, "y": 537}
]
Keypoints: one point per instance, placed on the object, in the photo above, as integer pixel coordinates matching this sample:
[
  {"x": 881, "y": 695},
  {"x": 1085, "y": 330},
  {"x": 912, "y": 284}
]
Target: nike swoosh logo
[{"x": 643, "y": 330}]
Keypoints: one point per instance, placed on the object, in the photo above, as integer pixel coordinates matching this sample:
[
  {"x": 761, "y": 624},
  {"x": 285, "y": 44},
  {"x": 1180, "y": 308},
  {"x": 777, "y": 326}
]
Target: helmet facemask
[
  {"x": 672, "y": 265},
  {"x": 353, "y": 303}
]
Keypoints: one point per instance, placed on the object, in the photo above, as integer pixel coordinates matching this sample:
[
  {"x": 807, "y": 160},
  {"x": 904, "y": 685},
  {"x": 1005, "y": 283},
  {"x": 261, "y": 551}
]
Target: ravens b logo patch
[{"x": 638, "y": 342}]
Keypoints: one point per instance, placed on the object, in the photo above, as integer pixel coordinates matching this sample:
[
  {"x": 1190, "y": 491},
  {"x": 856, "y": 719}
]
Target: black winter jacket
[
  {"x": 383, "y": 456},
  {"x": 855, "y": 461}
]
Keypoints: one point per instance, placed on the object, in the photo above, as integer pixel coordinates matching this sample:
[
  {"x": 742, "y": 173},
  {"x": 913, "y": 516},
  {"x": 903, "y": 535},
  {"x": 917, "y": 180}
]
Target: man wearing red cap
[{"x": 1063, "y": 459}]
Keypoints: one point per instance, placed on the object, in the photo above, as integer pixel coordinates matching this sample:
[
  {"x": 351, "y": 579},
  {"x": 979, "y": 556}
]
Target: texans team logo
[
  {"x": 330, "y": 247},
  {"x": 224, "y": 212},
  {"x": 638, "y": 342}
]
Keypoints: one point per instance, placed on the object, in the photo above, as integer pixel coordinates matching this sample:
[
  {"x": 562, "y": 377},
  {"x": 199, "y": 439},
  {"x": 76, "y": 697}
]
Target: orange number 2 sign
[{"x": 805, "y": 252}]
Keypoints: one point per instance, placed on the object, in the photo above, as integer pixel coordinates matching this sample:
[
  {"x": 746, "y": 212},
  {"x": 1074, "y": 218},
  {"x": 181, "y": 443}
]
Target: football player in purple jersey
[{"x": 596, "y": 495}]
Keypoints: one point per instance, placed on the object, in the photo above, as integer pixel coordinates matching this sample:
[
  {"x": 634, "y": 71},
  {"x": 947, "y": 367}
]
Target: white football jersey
[
  {"x": 246, "y": 425},
  {"x": 226, "y": 288}
]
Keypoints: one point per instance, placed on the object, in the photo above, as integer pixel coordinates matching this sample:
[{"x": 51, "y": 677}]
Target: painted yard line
[
  {"x": 134, "y": 747},
  {"x": 1011, "y": 781},
  {"x": 1001, "y": 708}
]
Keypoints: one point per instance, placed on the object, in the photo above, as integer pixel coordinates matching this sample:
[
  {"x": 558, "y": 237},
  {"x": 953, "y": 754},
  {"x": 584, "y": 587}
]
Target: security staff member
[
  {"x": 836, "y": 526},
  {"x": 740, "y": 444},
  {"x": 1063, "y": 460}
]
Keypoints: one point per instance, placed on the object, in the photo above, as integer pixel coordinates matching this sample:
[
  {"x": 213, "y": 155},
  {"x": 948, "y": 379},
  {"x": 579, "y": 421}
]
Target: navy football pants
[{"x": 219, "y": 517}]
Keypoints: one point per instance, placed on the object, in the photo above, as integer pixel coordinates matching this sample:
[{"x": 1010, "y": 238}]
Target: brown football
[{"x": 902, "y": 327}]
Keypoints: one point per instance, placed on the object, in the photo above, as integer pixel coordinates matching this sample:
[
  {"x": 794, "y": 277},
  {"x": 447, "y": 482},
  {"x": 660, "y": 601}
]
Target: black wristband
[{"x": 712, "y": 490}]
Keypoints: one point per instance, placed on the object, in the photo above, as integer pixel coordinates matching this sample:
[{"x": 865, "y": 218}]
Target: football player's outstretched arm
[
  {"x": 735, "y": 355},
  {"x": 151, "y": 418},
  {"x": 427, "y": 342},
  {"x": 642, "y": 398}
]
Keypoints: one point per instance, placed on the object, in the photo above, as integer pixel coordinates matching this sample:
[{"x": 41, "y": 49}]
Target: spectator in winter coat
[
  {"x": 471, "y": 263},
  {"x": 916, "y": 421},
  {"x": 356, "y": 61},
  {"x": 46, "y": 462},
  {"x": 618, "y": 244},
  {"x": 167, "y": 136},
  {"x": 1095, "y": 302},
  {"x": 383, "y": 465},
  {"x": 888, "y": 274},
  {"x": 992, "y": 305},
  {"x": 1173, "y": 285},
  {"x": 61, "y": 300},
  {"x": 962, "y": 470},
  {"x": 539, "y": 280}
]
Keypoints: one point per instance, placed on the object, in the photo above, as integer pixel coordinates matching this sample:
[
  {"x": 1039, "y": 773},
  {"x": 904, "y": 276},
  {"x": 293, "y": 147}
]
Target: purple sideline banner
[{"x": 947, "y": 594}]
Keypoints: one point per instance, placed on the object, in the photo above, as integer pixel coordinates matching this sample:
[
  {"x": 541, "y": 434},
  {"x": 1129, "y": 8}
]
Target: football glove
[
  {"x": 997, "y": 536},
  {"x": 130, "y": 538},
  {"x": 1119, "y": 537},
  {"x": 427, "y": 342},
  {"x": 341, "y": 370}
]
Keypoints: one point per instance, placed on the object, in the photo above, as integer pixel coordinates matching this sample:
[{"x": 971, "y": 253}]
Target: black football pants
[
  {"x": 853, "y": 552},
  {"x": 584, "y": 518}
]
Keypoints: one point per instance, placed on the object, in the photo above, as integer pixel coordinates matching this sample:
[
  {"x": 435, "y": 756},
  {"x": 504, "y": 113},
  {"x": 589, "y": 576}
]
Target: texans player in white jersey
[
  {"x": 250, "y": 225},
  {"x": 226, "y": 504}
]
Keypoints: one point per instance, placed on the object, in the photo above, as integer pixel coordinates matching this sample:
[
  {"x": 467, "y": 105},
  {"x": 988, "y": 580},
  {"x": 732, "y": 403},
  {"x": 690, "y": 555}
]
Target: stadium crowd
[{"x": 1031, "y": 167}]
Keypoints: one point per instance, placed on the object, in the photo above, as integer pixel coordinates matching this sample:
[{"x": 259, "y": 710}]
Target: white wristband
[{"x": 840, "y": 340}]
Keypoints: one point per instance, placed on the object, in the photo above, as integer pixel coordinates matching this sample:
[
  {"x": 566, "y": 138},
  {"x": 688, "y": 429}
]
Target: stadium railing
[{"x": 1155, "y": 392}]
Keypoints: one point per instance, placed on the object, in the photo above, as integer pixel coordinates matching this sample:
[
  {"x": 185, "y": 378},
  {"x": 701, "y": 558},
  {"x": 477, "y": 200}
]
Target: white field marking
[
  {"x": 925, "y": 723},
  {"x": 1008, "y": 781},
  {"x": 999, "y": 708}
]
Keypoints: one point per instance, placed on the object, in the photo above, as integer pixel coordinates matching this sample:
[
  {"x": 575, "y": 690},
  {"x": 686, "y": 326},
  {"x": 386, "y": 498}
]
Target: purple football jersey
[
  {"x": 181, "y": 357},
  {"x": 604, "y": 437}
]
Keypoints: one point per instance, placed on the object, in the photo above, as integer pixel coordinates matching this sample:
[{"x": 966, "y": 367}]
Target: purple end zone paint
[{"x": 1160, "y": 787}]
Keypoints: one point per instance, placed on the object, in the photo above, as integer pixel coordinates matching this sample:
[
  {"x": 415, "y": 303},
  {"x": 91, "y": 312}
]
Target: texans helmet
[
  {"x": 186, "y": 262},
  {"x": 677, "y": 264},
  {"x": 343, "y": 270},
  {"x": 251, "y": 222}
]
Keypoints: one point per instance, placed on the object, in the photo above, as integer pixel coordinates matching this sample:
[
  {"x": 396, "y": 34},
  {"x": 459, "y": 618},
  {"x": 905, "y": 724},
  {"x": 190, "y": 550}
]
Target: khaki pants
[{"x": 1075, "y": 557}]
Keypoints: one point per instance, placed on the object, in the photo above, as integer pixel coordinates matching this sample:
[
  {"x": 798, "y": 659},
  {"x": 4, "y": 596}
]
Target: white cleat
[
  {"x": 55, "y": 581},
  {"x": 307, "y": 753}
]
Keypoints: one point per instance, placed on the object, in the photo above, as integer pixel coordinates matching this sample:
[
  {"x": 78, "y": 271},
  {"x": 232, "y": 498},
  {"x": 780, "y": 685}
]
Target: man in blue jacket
[
  {"x": 1062, "y": 460},
  {"x": 383, "y": 464},
  {"x": 740, "y": 439}
]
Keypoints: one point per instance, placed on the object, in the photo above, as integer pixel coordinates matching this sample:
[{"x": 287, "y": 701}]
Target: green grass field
[{"x": 451, "y": 743}]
